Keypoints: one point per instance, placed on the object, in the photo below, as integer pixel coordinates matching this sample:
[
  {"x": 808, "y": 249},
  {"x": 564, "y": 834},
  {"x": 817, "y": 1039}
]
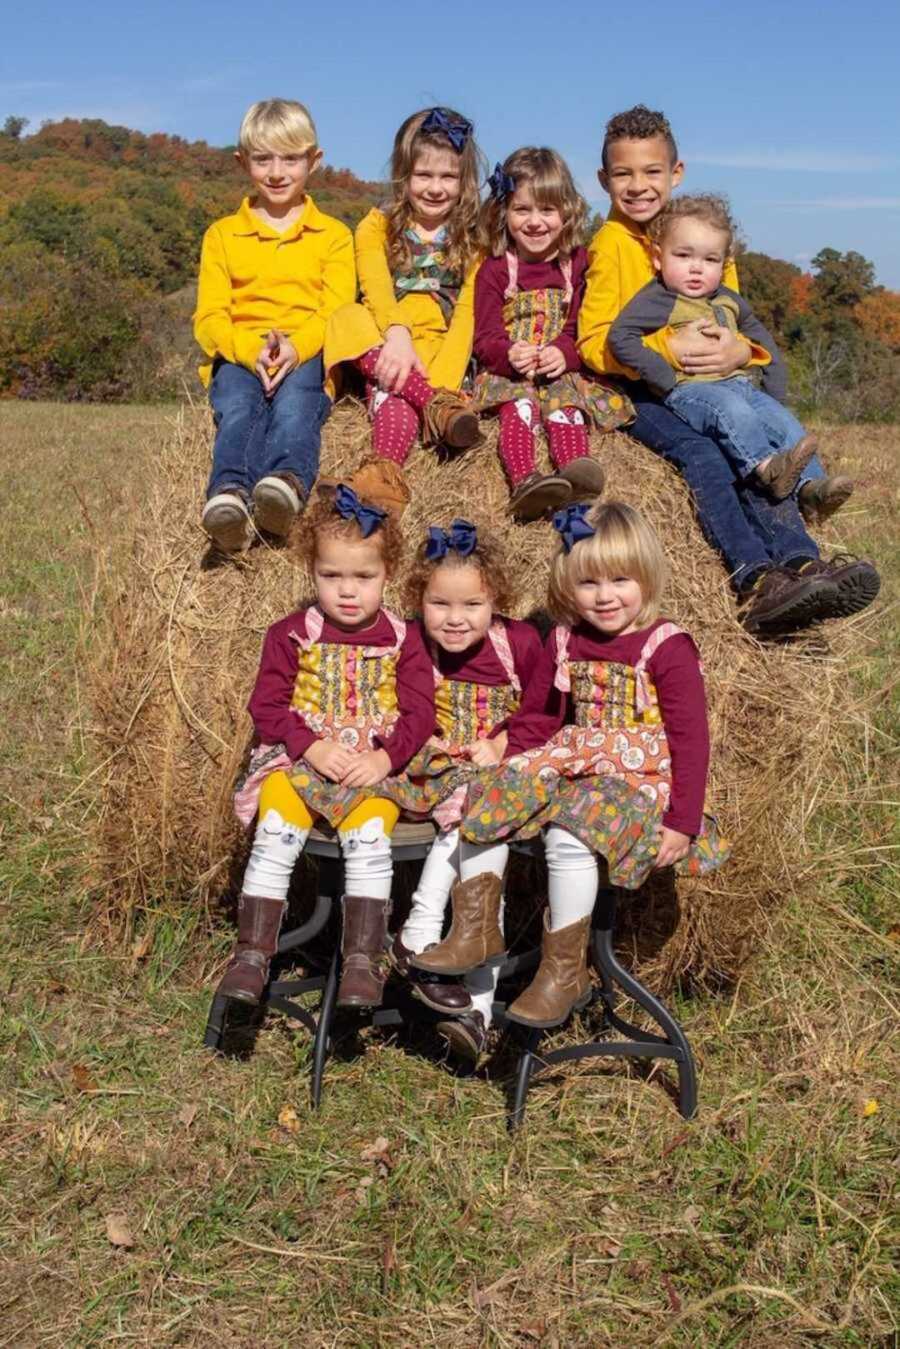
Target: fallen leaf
[
  {"x": 118, "y": 1231},
  {"x": 56, "y": 989},
  {"x": 535, "y": 1332},
  {"x": 187, "y": 1113},
  {"x": 379, "y": 1154},
  {"x": 609, "y": 1246},
  {"x": 142, "y": 948},
  {"x": 388, "y": 1263},
  {"x": 691, "y": 1215},
  {"x": 289, "y": 1120},
  {"x": 82, "y": 1078},
  {"x": 674, "y": 1299},
  {"x": 869, "y": 1108},
  {"x": 675, "y": 1142},
  {"x": 483, "y": 1297},
  {"x": 637, "y": 1269}
]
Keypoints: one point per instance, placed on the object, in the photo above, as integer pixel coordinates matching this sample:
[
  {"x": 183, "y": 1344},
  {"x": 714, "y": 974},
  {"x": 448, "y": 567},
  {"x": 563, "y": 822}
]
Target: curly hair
[
  {"x": 488, "y": 557},
  {"x": 706, "y": 206},
  {"x": 322, "y": 520},
  {"x": 409, "y": 143},
  {"x": 547, "y": 174},
  {"x": 623, "y": 544},
  {"x": 639, "y": 123}
]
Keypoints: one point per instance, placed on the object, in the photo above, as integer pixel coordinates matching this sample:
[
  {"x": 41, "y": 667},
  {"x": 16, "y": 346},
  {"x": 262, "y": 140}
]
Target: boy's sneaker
[
  {"x": 821, "y": 497},
  {"x": 585, "y": 477},
  {"x": 276, "y": 505},
  {"x": 226, "y": 520},
  {"x": 858, "y": 583},
  {"x": 782, "y": 601},
  {"x": 538, "y": 494},
  {"x": 780, "y": 475}
]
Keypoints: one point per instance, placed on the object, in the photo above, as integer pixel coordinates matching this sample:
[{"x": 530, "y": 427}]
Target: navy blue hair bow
[
  {"x": 349, "y": 507},
  {"x": 572, "y": 526},
  {"x": 462, "y": 537},
  {"x": 457, "y": 131},
  {"x": 501, "y": 184}
]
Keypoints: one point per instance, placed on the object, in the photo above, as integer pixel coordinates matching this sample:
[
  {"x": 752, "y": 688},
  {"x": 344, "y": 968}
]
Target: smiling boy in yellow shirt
[{"x": 270, "y": 276}]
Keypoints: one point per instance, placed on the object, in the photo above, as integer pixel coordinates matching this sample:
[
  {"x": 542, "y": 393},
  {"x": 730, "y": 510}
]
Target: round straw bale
[{"x": 175, "y": 663}]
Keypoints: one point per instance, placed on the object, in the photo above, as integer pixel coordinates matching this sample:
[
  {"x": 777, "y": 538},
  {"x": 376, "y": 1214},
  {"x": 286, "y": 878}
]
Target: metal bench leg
[
  {"x": 323, "y": 1028},
  {"x": 216, "y": 1022},
  {"x": 527, "y": 1062}
]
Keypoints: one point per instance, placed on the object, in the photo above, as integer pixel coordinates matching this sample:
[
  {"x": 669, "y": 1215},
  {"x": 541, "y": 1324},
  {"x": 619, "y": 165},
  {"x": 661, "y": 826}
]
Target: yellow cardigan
[
  {"x": 620, "y": 264},
  {"x": 252, "y": 279},
  {"x": 355, "y": 329}
]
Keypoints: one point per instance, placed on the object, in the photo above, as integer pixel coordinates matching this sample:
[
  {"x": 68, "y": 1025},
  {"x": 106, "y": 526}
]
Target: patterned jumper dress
[
  {"x": 606, "y": 778},
  {"x": 539, "y": 316}
]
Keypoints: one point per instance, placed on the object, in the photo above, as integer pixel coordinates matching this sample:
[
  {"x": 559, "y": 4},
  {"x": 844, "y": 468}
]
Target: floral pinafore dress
[
  {"x": 606, "y": 778},
  {"x": 539, "y": 316}
]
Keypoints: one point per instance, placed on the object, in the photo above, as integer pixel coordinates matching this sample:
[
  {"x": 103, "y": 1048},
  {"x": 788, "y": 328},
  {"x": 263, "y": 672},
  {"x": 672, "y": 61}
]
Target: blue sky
[{"x": 792, "y": 109}]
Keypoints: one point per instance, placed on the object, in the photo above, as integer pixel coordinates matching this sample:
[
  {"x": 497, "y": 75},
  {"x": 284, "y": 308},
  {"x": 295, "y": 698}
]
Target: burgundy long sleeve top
[
  {"x": 270, "y": 703},
  {"x": 675, "y": 671},
  {"x": 480, "y": 664},
  {"x": 492, "y": 341}
]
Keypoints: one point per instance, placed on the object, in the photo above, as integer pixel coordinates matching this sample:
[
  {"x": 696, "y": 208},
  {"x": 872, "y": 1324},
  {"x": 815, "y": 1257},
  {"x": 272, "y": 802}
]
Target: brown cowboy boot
[
  {"x": 448, "y": 420},
  {"x": 474, "y": 938},
  {"x": 259, "y": 922},
  {"x": 364, "y": 958},
  {"x": 562, "y": 982}
]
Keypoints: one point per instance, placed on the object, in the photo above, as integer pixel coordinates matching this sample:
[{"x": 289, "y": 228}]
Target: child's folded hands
[
  {"x": 366, "y": 769},
  {"x": 523, "y": 356},
  {"x": 487, "y": 753},
  {"x": 551, "y": 361},
  {"x": 276, "y": 360},
  {"x": 330, "y": 759}
]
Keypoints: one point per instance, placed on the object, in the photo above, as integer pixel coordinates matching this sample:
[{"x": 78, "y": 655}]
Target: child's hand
[
  {"x": 487, "y": 753},
  {"x": 551, "y": 362},
  {"x": 330, "y": 759},
  {"x": 397, "y": 358},
  {"x": 523, "y": 356},
  {"x": 673, "y": 846},
  {"x": 276, "y": 360},
  {"x": 367, "y": 769},
  {"x": 703, "y": 348}
]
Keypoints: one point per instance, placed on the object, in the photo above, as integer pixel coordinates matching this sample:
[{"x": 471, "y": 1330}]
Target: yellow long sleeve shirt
[
  {"x": 253, "y": 279},
  {"x": 620, "y": 264}
]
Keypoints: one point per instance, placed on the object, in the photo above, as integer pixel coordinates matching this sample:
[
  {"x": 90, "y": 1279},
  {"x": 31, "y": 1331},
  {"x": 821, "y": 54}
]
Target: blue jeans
[
  {"x": 747, "y": 423},
  {"x": 256, "y": 435},
  {"x": 751, "y": 532}
]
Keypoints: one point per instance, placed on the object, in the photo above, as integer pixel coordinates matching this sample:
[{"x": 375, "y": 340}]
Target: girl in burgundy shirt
[
  {"x": 481, "y": 664},
  {"x": 527, "y": 295},
  {"x": 344, "y": 698},
  {"x": 609, "y": 751}
]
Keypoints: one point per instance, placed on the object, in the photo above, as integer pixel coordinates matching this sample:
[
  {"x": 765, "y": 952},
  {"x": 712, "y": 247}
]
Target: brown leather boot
[
  {"x": 782, "y": 472},
  {"x": 259, "y": 922},
  {"x": 448, "y": 420},
  {"x": 436, "y": 992},
  {"x": 365, "y": 961},
  {"x": 474, "y": 938},
  {"x": 562, "y": 982}
]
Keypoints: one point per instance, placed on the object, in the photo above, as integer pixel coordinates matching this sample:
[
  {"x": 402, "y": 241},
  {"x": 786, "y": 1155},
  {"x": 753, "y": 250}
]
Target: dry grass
[{"x": 171, "y": 679}]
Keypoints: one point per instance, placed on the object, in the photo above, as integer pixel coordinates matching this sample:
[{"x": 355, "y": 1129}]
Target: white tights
[{"x": 572, "y": 877}]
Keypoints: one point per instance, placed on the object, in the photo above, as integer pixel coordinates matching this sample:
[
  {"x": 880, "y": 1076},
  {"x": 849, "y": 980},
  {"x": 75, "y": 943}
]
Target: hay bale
[{"x": 175, "y": 665}]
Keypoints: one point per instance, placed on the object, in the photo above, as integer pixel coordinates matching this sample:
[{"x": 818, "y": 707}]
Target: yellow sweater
[
  {"x": 620, "y": 265},
  {"x": 444, "y": 349},
  {"x": 252, "y": 279}
]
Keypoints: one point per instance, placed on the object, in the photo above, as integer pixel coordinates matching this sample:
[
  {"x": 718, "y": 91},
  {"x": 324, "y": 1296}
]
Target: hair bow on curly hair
[
  {"x": 501, "y": 184},
  {"x": 457, "y": 130},
  {"x": 349, "y": 507},
  {"x": 572, "y": 526},
  {"x": 461, "y": 537}
]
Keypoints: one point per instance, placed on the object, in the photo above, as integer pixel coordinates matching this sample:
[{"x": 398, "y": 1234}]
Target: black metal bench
[{"x": 411, "y": 843}]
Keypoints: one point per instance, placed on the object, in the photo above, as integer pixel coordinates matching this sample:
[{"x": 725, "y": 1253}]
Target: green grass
[{"x": 608, "y": 1221}]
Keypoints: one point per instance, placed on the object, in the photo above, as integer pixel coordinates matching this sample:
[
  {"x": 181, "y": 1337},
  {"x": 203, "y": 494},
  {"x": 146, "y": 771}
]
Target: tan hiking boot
[
  {"x": 259, "y": 922},
  {"x": 538, "y": 494},
  {"x": 781, "y": 473},
  {"x": 448, "y": 420},
  {"x": 585, "y": 477},
  {"x": 562, "y": 982},
  {"x": 821, "y": 497},
  {"x": 474, "y": 938}
]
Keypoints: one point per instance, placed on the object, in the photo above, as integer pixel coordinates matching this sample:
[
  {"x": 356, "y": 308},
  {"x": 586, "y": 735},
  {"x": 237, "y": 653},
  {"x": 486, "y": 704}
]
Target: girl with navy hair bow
[
  {"x": 343, "y": 700},
  {"x": 416, "y": 258},
  {"x": 608, "y": 753},
  {"x": 527, "y": 296}
]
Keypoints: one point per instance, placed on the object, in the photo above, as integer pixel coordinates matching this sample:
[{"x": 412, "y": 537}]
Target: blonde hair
[
  {"x": 547, "y": 174},
  {"x": 623, "y": 544},
  {"x": 279, "y": 124},
  {"x": 322, "y": 520},
  {"x": 487, "y": 558},
  {"x": 712, "y": 210},
  {"x": 409, "y": 142}
]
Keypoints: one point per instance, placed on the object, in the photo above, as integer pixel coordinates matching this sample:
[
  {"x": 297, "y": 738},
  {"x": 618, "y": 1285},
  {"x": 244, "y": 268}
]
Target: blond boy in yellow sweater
[{"x": 270, "y": 277}]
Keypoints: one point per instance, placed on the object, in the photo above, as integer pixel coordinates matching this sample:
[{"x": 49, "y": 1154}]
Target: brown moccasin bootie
[
  {"x": 364, "y": 963},
  {"x": 562, "y": 982},
  {"x": 475, "y": 937},
  {"x": 259, "y": 922},
  {"x": 448, "y": 420},
  {"x": 781, "y": 473}
]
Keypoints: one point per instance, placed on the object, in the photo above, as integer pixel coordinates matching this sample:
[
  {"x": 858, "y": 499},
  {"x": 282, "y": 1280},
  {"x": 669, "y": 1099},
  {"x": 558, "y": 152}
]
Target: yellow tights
[{"x": 278, "y": 794}]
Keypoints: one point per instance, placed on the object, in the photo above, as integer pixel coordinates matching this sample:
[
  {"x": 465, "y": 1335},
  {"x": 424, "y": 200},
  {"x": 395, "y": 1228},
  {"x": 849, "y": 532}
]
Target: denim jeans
[
  {"x": 750, "y": 531},
  {"x": 256, "y": 435},
  {"x": 747, "y": 423}
]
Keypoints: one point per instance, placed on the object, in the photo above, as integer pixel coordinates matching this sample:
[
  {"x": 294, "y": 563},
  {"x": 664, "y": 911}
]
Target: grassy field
[{"x": 152, "y": 1194}]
